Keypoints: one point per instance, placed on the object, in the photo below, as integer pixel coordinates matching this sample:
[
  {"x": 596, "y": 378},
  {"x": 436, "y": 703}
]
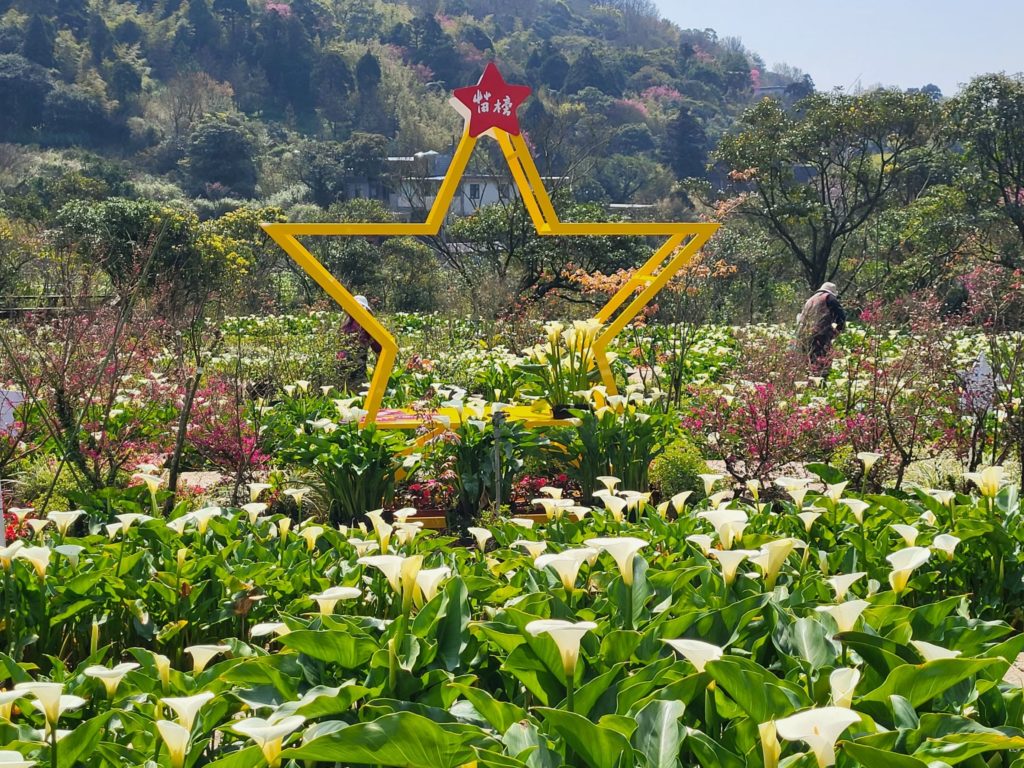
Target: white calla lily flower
[
  {"x": 841, "y": 583},
  {"x": 186, "y": 708},
  {"x": 203, "y": 654},
  {"x": 481, "y": 536},
  {"x": 176, "y": 739},
  {"x": 567, "y": 636},
  {"x": 904, "y": 562},
  {"x": 989, "y": 480},
  {"x": 845, "y": 614},
  {"x": 702, "y": 541},
  {"x": 401, "y": 572},
  {"x": 868, "y": 459},
  {"x": 64, "y": 520},
  {"x": 857, "y": 507},
  {"x": 623, "y": 550},
  {"x": 428, "y": 581},
  {"x": 772, "y": 556},
  {"x": 808, "y": 518},
  {"x": 679, "y": 501},
  {"x": 128, "y": 519},
  {"x": 256, "y": 489},
  {"x": 697, "y": 652},
  {"x": 38, "y": 557},
  {"x": 730, "y": 560},
  {"x": 932, "y": 652},
  {"x": 946, "y": 543},
  {"x": 835, "y": 490},
  {"x": 47, "y": 695},
  {"x": 110, "y": 676},
  {"x": 566, "y": 565},
  {"x": 908, "y": 533},
  {"x": 819, "y": 728},
  {"x": 71, "y": 551},
  {"x": 269, "y": 735},
  {"x": 616, "y": 505},
  {"x": 330, "y": 597},
  {"x": 534, "y": 548},
  {"x": 11, "y": 759},
  {"x": 710, "y": 480},
  {"x": 8, "y": 553},
  {"x": 276, "y": 628},
  {"x": 253, "y": 510},
  {"x": 310, "y": 534}
]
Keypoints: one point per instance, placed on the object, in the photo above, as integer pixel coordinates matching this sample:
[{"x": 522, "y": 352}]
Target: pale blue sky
[{"x": 905, "y": 43}]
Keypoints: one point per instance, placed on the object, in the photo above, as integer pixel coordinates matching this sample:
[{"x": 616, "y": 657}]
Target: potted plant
[{"x": 562, "y": 369}]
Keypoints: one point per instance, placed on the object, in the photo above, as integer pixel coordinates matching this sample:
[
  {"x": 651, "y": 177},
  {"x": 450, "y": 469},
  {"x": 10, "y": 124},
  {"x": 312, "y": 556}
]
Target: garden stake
[{"x": 497, "y": 419}]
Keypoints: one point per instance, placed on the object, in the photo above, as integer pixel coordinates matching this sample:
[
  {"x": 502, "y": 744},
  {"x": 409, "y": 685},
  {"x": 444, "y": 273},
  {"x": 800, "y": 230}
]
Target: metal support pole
[{"x": 497, "y": 420}]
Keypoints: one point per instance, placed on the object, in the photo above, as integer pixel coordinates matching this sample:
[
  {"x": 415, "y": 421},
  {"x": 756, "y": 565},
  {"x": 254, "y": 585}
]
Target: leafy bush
[
  {"x": 357, "y": 467},
  {"x": 678, "y": 469},
  {"x": 36, "y": 478},
  {"x": 620, "y": 444}
]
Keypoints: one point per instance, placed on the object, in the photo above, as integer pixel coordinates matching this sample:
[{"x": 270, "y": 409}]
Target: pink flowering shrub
[
  {"x": 662, "y": 94},
  {"x": 910, "y": 407},
  {"x": 97, "y": 390},
  {"x": 224, "y": 430},
  {"x": 759, "y": 430},
  {"x": 628, "y": 111}
]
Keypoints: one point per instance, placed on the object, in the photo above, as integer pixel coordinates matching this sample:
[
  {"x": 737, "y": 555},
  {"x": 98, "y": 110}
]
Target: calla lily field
[{"x": 643, "y": 584}]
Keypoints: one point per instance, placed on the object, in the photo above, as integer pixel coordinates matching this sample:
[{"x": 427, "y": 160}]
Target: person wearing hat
[
  {"x": 356, "y": 343},
  {"x": 820, "y": 321}
]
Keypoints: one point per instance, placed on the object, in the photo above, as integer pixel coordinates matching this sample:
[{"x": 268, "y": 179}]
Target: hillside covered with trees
[
  {"x": 118, "y": 112},
  {"x": 151, "y": 139}
]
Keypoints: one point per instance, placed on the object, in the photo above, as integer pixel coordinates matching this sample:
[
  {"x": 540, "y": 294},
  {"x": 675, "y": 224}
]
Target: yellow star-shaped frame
[{"x": 684, "y": 242}]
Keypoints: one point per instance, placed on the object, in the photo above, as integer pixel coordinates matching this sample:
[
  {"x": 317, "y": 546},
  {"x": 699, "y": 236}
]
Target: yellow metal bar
[
  {"x": 338, "y": 292},
  {"x": 626, "y": 229},
  {"x": 522, "y": 153},
  {"x": 644, "y": 274},
  {"x": 526, "y": 192},
  {"x": 683, "y": 257},
  {"x": 452, "y": 179},
  {"x": 351, "y": 230}
]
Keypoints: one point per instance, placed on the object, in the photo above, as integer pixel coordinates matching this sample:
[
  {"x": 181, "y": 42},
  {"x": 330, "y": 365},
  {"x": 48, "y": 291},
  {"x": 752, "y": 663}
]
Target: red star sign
[{"x": 491, "y": 103}]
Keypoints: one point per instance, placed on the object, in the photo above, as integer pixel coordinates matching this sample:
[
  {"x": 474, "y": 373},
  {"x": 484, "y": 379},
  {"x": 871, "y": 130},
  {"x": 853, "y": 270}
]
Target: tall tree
[
  {"x": 38, "y": 43},
  {"x": 587, "y": 71},
  {"x": 686, "y": 145},
  {"x": 23, "y": 89},
  {"x": 817, "y": 176},
  {"x": 989, "y": 117},
  {"x": 334, "y": 84},
  {"x": 368, "y": 74},
  {"x": 220, "y": 153}
]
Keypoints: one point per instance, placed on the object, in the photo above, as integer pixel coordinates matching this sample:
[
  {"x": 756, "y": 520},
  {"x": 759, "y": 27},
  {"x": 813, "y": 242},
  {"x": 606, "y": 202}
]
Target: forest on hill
[
  {"x": 162, "y": 132},
  {"x": 228, "y": 98}
]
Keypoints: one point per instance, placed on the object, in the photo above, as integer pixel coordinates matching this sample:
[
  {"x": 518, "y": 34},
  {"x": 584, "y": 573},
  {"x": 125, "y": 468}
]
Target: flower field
[
  {"x": 817, "y": 628},
  {"x": 730, "y": 564}
]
